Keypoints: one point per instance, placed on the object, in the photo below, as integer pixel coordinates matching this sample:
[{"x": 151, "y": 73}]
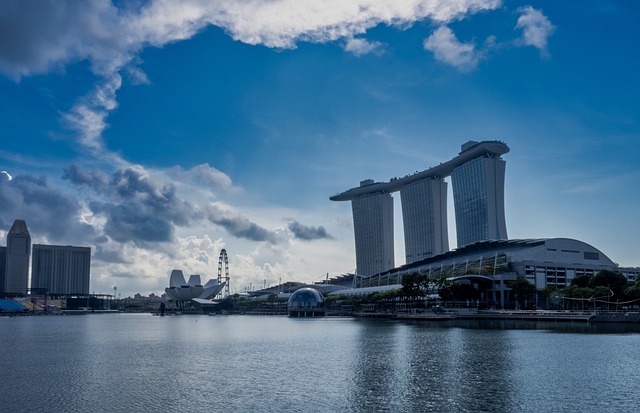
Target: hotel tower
[
  {"x": 477, "y": 175},
  {"x": 16, "y": 271}
]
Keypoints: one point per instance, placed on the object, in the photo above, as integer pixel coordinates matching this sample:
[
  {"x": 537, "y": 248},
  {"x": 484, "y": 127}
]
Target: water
[{"x": 141, "y": 363}]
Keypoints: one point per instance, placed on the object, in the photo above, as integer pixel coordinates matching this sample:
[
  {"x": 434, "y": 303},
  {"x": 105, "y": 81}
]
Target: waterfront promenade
[{"x": 472, "y": 314}]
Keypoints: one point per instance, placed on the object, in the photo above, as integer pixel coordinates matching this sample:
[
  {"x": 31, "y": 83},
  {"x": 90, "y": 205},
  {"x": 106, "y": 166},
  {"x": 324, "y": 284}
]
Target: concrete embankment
[{"x": 466, "y": 314}]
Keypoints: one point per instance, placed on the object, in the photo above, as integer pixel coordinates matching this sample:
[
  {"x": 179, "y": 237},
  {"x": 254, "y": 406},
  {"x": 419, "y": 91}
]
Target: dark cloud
[
  {"x": 80, "y": 176},
  {"x": 38, "y": 35},
  {"x": 49, "y": 212},
  {"x": 136, "y": 187},
  {"x": 307, "y": 233},
  {"x": 131, "y": 205},
  {"x": 110, "y": 256},
  {"x": 133, "y": 222},
  {"x": 142, "y": 210},
  {"x": 239, "y": 226},
  {"x": 137, "y": 208}
]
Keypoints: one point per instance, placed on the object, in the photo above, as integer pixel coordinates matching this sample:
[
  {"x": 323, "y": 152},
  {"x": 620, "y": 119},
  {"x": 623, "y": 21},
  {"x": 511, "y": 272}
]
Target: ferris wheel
[{"x": 223, "y": 264}]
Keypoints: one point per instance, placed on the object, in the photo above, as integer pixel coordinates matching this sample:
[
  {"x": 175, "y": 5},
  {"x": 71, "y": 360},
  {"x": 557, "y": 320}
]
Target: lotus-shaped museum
[{"x": 181, "y": 290}]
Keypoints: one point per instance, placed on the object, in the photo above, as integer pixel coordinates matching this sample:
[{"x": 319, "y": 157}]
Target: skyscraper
[
  {"x": 477, "y": 174},
  {"x": 373, "y": 231},
  {"x": 61, "y": 270},
  {"x": 424, "y": 217},
  {"x": 478, "y": 197},
  {"x": 3, "y": 268},
  {"x": 17, "y": 260}
]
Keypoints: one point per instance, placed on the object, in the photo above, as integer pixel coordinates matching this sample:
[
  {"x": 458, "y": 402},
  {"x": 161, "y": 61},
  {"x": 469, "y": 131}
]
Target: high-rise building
[
  {"x": 477, "y": 175},
  {"x": 424, "y": 214},
  {"x": 373, "y": 231},
  {"x": 478, "y": 197},
  {"x": 3, "y": 265},
  {"x": 61, "y": 270},
  {"x": 17, "y": 261}
]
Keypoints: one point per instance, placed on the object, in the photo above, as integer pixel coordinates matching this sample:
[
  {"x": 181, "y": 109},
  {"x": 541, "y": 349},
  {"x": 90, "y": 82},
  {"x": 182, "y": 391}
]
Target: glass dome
[{"x": 306, "y": 302}]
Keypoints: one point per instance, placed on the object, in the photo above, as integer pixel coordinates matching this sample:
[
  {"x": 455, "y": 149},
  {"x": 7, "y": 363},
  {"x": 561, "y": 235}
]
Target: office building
[
  {"x": 16, "y": 277},
  {"x": 478, "y": 190},
  {"x": 61, "y": 270}
]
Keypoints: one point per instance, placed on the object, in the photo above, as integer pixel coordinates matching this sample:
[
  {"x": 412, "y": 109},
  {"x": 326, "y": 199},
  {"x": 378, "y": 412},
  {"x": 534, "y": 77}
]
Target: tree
[
  {"x": 581, "y": 281},
  {"x": 412, "y": 285},
  {"x": 522, "y": 289},
  {"x": 611, "y": 279},
  {"x": 633, "y": 290},
  {"x": 384, "y": 295},
  {"x": 579, "y": 295},
  {"x": 551, "y": 294}
]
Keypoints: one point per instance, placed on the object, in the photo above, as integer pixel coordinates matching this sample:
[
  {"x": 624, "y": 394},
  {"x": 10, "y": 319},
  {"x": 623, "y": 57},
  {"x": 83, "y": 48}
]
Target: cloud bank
[
  {"x": 132, "y": 214},
  {"x": 110, "y": 37}
]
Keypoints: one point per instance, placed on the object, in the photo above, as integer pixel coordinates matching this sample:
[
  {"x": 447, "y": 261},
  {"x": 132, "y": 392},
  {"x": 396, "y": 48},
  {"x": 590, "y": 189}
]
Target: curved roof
[
  {"x": 559, "y": 250},
  {"x": 366, "y": 290},
  {"x": 470, "y": 150}
]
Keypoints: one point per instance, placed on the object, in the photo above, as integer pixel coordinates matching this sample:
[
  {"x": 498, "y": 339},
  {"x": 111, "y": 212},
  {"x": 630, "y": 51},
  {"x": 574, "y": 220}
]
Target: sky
[{"x": 160, "y": 132}]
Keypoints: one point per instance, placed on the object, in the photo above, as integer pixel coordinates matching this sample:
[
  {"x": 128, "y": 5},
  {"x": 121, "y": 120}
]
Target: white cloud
[
  {"x": 283, "y": 23},
  {"x": 359, "y": 47},
  {"x": 88, "y": 116},
  {"x": 136, "y": 76},
  {"x": 204, "y": 174},
  {"x": 103, "y": 209},
  {"x": 110, "y": 38},
  {"x": 536, "y": 28},
  {"x": 448, "y": 49}
]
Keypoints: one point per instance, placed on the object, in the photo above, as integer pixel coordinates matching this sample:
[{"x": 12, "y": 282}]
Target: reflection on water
[{"x": 127, "y": 362}]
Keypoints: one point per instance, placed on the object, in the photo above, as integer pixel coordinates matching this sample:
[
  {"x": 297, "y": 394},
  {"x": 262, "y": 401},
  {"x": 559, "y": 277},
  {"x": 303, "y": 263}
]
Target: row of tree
[{"x": 605, "y": 289}]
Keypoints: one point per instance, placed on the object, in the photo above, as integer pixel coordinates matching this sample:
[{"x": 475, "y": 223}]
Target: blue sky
[{"x": 159, "y": 132}]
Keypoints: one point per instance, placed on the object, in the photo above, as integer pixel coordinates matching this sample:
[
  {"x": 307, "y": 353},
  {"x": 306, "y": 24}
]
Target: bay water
[{"x": 242, "y": 363}]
